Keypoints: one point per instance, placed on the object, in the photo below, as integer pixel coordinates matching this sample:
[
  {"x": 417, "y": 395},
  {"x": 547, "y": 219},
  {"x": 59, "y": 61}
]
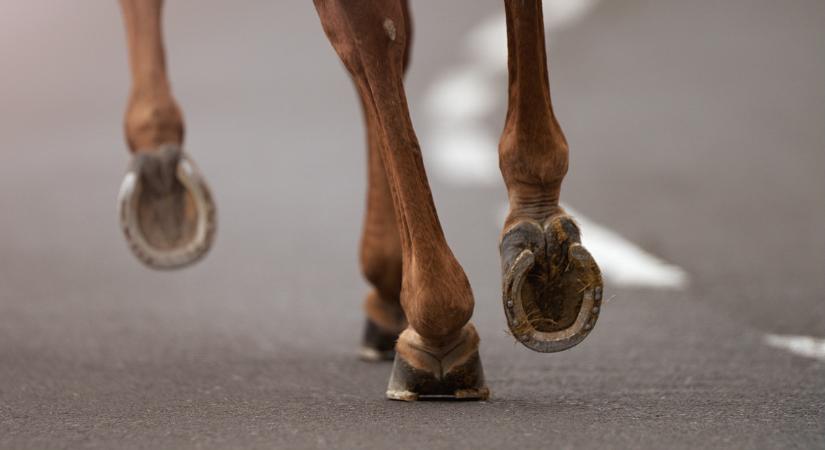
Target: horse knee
[{"x": 539, "y": 157}]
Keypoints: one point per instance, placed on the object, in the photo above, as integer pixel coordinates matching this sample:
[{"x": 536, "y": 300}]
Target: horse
[{"x": 419, "y": 308}]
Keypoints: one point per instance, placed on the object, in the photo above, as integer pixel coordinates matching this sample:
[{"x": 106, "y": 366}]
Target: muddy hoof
[
  {"x": 552, "y": 286},
  {"x": 377, "y": 343},
  {"x": 166, "y": 210},
  {"x": 453, "y": 372}
]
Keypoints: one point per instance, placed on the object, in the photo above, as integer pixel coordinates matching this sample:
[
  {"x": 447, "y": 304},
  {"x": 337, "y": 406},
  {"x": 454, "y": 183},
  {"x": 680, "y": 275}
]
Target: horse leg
[
  {"x": 552, "y": 286},
  {"x": 437, "y": 354},
  {"x": 381, "y": 244},
  {"x": 167, "y": 213},
  {"x": 153, "y": 118}
]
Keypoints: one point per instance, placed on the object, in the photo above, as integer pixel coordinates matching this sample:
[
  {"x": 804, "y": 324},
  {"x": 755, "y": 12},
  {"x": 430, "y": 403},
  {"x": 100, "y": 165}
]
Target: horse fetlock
[
  {"x": 537, "y": 156},
  {"x": 437, "y": 302},
  {"x": 151, "y": 123},
  {"x": 535, "y": 203}
]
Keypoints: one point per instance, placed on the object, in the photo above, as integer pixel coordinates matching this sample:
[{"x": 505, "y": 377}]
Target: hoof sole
[
  {"x": 166, "y": 209},
  {"x": 552, "y": 287}
]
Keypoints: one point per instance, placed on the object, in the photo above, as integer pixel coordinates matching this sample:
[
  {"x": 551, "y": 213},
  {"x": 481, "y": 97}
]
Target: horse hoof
[
  {"x": 552, "y": 287},
  {"x": 452, "y": 372},
  {"x": 377, "y": 343},
  {"x": 166, "y": 210}
]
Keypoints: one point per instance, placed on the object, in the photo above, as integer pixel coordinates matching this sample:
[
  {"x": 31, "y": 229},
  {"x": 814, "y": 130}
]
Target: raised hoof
[
  {"x": 166, "y": 210},
  {"x": 552, "y": 287},
  {"x": 421, "y": 373},
  {"x": 377, "y": 343}
]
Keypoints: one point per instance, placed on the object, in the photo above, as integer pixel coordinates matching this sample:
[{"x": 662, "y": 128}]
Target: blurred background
[{"x": 697, "y": 157}]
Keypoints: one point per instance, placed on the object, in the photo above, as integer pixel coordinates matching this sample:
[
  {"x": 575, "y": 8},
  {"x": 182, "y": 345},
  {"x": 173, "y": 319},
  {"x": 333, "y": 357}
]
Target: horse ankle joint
[{"x": 152, "y": 124}]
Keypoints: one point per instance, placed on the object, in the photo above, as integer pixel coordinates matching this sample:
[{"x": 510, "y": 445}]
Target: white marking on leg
[
  {"x": 389, "y": 27},
  {"x": 806, "y": 346}
]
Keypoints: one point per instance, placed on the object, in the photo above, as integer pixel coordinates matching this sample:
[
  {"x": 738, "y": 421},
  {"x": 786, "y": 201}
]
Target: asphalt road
[{"x": 696, "y": 131}]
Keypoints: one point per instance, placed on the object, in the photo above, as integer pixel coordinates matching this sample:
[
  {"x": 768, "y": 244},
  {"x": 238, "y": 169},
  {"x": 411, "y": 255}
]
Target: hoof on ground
[
  {"x": 480, "y": 394},
  {"x": 166, "y": 210},
  {"x": 377, "y": 344},
  {"x": 451, "y": 372},
  {"x": 552, "y": 287}
]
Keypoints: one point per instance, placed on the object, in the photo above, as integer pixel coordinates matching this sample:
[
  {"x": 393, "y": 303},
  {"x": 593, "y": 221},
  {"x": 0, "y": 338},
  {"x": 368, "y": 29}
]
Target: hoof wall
[
  {"x": 481, "y": 394},
  {"x": 452, "y": 375},
  {"x": 377, "y": 343}
]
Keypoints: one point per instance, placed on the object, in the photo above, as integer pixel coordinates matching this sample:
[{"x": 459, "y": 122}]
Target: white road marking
[
  {"x": 807, "y": 346},
  {"x": 624, "y": 263},
  {"x": 459, "y": 160},
  {"x": 465, "y": 149},
  {"x": 461, "y": 95},
  {"x": 487, "y": 41}
]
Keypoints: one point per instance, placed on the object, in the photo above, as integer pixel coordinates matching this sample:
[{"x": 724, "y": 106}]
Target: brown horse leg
[
  {"x": 167, "y": 212},
  {"x": 552, "y": 286},
  {"x": 380, "y": 256},
  {"x": 153, "y": 118},
  {"x": 381, "y": 244},
  {"x": 438, "y": 352}
]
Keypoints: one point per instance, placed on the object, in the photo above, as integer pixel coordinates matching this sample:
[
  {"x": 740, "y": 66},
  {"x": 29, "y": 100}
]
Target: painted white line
[
  {"x": 807, "y": 346},
  {"x": 487, "y": 41},
  {"x": 623, "y": 262},
  {"x": 461, "y": 95},
  {"x": 460, "y": 160},
  {"x": 464, "y": 149}
]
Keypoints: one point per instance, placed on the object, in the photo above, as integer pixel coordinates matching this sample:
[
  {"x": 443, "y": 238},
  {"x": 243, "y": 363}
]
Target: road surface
[{"x": 696, "y": 132}]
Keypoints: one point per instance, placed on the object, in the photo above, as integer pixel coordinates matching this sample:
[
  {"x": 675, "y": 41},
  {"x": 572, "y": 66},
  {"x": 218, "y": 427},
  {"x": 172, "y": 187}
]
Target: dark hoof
[
  {"x": 377, "y": 343},
  {"x": 421, "y": 373},
  {"x": 552, "y": 286},
  {"x": 166, "y": 210}
]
